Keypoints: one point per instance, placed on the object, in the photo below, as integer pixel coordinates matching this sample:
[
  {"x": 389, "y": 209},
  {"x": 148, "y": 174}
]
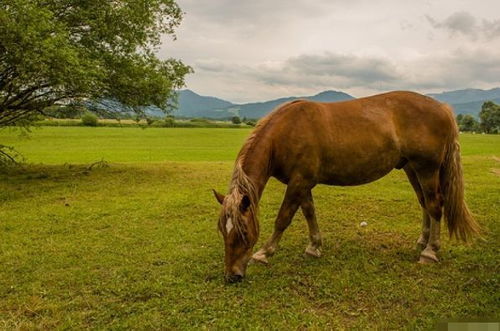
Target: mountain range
[{"x": 191, "y": 104}]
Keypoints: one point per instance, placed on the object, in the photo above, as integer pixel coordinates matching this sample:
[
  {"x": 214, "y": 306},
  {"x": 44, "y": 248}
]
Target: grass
[{"x": 134, "y": 244}]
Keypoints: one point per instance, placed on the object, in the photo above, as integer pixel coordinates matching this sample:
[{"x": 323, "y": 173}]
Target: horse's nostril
[{"x": 233, "y": 278}]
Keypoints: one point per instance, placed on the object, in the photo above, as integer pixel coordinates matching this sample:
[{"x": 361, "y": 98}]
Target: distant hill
[
  {"x": 468, "y": 101},
  {"x": 260, "y": 109},
  {"x": 195, "y": 105},
  {"x": 191, "y": 104}
]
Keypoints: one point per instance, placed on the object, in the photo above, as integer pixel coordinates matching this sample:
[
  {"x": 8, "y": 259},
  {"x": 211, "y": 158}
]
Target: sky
[{"x": 246, "y": 51}]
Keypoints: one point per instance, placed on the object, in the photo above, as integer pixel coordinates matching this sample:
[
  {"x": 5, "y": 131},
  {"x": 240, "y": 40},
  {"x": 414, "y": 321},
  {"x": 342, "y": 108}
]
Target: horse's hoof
[
  {"x": 260, "y": 258},
  {"x": 312, "y": 251},
  {"x": 428, "y": 258}
]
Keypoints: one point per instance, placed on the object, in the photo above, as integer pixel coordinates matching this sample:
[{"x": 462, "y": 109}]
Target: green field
[{"x": 132, "y": 243}]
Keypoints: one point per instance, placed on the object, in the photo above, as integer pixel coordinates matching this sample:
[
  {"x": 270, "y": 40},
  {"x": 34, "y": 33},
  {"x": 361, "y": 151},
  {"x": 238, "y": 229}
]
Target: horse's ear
[
  {"x": 218, "y": 196},
  {"x": 245, "y": 203}
]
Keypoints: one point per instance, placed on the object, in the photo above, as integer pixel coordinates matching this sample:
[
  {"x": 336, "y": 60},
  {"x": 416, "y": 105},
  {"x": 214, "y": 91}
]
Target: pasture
[{"x": 132, "y": 243}]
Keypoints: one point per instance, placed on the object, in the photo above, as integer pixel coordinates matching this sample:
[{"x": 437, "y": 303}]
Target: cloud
[
  {"x": 465, "y": 24},
  {"x": 311, "y": 72},
  {"x": 256, "y": 50},
  {"x": 355, "y": 68}
]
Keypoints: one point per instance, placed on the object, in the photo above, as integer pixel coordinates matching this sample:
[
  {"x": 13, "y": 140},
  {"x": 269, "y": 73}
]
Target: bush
[
  {"x": 89, "y": 119},
  {"x": 168, "y": 122},
  {"x": 235, "y": 120},
  {"x": 199, "y": 120}
]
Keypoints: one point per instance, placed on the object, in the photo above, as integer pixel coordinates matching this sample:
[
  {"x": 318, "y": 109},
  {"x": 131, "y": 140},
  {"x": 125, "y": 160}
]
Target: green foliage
[
  {"x": 490, "y": 117},
  {"x": 57, "y": 51},
  {"x": 89, "y": 119},
  {"x": 9, "y": 157},
  {"x": 199, "y": 120},
  {"x": 135, "y": 245},
  {"x": 468, "y": 123},
  {"x": 65, "y": 111},
  {"x": 235, "y": 120},
  {"x": 250, "y": 123},
  {"x": 168, "y": 122}
]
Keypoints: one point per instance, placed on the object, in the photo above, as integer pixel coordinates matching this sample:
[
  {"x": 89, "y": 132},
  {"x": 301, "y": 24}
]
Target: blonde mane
[
  {"x": 261, "y": 127},
  {"x": 241, "y": 185}
]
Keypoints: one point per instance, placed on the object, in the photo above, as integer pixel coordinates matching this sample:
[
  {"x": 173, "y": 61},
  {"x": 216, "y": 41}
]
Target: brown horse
[{"x": 305, "y": 143}]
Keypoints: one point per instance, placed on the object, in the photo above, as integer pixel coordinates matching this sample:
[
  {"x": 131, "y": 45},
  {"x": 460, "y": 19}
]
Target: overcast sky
[{"x": 245, "y": 51}]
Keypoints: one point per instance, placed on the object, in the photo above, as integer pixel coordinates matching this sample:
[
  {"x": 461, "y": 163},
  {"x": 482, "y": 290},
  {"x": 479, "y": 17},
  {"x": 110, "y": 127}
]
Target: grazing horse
[{"x": 304, "y": 143}]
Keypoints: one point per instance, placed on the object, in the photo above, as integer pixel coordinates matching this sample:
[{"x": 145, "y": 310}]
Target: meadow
[{"x": 116, "y": 228}]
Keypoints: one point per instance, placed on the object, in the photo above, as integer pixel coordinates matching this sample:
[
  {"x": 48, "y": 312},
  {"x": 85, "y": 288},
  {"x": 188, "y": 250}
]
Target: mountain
[
  {"x": 191, "y": 104},
  {"x": 466, "y": 96},
  {"x": 194, "y": 105},
  {"x": 260, "y": 109},
  {"x": 468, "y": 101}
]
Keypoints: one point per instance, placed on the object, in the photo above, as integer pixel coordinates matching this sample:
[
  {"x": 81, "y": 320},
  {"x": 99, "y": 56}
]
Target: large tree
[
  {"x": 490, "y": 117},
  {"x": 61, "y": 51}
]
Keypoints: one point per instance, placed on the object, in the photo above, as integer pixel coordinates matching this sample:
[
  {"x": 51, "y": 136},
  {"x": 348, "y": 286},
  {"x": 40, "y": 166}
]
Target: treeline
[
  {"x": 489, "y": 120},
  {"x": 80, "y": 115},
  {"x": 92, "y": 120}
]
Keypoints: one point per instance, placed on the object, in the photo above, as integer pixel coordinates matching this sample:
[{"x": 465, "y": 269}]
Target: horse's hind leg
[
  {"x": 307, "y": 206},
  {"x": 426, "y": 221},
  {"x": 429, "y": 181},
  {"x": 290, "y": 204}
]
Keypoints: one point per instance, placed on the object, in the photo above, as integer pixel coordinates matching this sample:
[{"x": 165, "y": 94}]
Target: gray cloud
[
  {"x": 311, "y": 70},
  {"x": 358, "y": 69},
  {"x": 465, "y": 24},
  {"x": 254, "y": 50},
  {"x": 461, "y": 68}
]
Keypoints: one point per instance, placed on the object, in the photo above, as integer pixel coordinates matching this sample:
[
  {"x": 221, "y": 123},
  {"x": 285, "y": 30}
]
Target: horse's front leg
[
  {"x": 426, "y": 230},
  {"x": 289, "y": 206},
  {"x": 307, "y": 206}
]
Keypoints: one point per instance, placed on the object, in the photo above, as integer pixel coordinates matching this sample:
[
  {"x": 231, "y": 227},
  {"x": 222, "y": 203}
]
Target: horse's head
[{"x": 239, "y": 227}]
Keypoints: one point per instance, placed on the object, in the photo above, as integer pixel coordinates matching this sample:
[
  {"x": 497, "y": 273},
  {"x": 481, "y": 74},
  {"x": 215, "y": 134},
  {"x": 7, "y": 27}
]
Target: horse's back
[{"x": 357, "y": 141}]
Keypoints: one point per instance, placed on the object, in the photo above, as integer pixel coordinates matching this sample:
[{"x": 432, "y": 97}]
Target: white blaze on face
[{"x": 229, "y": 225}]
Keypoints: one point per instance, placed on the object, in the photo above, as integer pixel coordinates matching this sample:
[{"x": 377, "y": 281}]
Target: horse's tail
[{"x": 461, "y": 223}]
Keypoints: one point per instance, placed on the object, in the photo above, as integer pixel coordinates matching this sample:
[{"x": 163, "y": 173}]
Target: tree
[
  {"x": 235, "y": 120},
  {"x": 61, "y": 51},
  {"x": 469, "y": 123},
  {"x": 490, "y": 117}
]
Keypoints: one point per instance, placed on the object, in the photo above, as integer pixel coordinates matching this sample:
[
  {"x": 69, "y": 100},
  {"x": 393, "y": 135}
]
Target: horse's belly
[{"x": 359, "y": 170}]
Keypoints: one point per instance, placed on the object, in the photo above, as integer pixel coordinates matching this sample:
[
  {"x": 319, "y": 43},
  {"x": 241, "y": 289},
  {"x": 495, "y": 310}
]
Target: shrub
[
  {"x": 169, "y": 122},
  {"x": 235, "y": 120},
  {"x": 89, "y": 119},
  {"x": 199, "y": 120}
]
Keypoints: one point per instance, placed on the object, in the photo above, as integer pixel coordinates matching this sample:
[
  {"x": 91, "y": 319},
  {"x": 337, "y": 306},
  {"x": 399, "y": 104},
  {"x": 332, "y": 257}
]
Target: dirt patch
[{"x": 495, "y": 171}]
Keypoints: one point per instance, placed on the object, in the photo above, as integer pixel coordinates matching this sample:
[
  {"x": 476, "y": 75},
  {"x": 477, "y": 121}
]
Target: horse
[{"x": 304, "y": 143}]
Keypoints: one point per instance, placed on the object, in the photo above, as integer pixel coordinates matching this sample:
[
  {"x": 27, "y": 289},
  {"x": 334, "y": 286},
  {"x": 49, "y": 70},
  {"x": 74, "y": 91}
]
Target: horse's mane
[
  {"x": 260, "y": 128},
  {"x": 241, "y": 185}
]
